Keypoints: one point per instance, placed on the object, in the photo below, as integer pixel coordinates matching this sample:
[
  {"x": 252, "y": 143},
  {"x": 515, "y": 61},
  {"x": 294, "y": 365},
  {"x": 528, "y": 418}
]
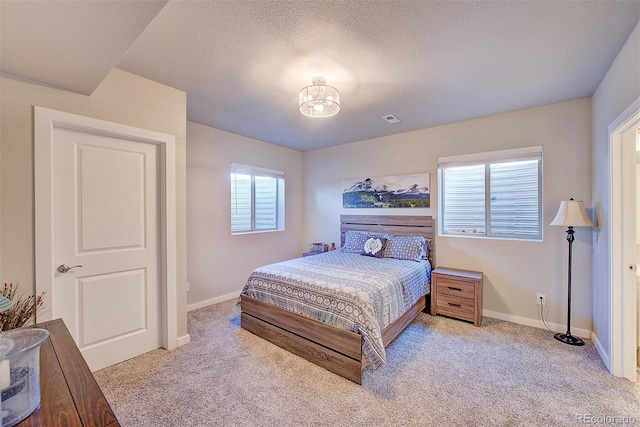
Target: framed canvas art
[{"x": 398, "y": 191}]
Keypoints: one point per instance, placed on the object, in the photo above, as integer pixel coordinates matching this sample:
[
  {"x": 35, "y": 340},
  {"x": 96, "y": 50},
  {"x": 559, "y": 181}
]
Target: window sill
[
  {"x": 482, "y": 236},
  {"x": 241, "y": 233}
]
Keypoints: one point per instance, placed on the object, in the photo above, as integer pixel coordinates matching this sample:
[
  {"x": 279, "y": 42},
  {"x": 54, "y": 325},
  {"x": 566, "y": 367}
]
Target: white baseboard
[
  {"x": 185, "y": 339},
  {"x": 601, "y": 351},
  {"x": 212, "y": 301},
  {"x": 582, "y": 333}
]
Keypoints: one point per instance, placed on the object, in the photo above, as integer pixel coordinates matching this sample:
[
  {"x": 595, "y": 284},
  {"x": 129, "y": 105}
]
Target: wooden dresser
[
  {"x": 70, "y": 395},
  {"x": 457, "y": 293}
]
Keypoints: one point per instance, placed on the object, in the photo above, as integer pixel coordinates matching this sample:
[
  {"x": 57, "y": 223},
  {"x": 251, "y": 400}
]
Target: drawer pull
[
  {"x": 454, "y": 289},
  {"x": 454, "y": 305}
]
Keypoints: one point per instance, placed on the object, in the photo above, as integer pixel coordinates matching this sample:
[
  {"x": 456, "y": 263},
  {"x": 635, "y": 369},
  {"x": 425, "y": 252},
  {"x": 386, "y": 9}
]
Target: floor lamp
[{"x": 571, "y": 214}]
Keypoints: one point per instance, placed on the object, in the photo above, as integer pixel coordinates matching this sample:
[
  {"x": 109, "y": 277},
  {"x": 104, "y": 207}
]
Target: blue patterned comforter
[{"x": 353, "y": 292}]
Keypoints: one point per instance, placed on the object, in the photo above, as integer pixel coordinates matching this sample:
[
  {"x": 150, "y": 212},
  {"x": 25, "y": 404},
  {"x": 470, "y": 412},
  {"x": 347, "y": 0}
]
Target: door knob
[{"x": 63, "y": 268}]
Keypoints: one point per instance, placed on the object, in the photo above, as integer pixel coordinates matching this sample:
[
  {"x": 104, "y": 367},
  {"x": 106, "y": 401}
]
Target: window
[
  {"x": 257, "y": 199},
  {"x": 497, "y": 194}
]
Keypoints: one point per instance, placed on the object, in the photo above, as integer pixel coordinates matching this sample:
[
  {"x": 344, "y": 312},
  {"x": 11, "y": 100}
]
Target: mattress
[{"x": 353, "y": 292}]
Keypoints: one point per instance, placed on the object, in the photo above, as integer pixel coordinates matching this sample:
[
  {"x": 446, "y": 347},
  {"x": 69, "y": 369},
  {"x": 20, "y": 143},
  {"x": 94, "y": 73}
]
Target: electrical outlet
[
  {"x": 188, "y": 286},
  {"x": 541, "y": 298}
]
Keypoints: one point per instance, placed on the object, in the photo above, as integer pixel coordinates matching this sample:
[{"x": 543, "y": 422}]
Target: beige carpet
[{"x": 439, "y": 372}]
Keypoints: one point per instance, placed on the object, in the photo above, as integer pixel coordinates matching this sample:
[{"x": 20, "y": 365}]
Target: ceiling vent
[{"x": 390, "y": 118}]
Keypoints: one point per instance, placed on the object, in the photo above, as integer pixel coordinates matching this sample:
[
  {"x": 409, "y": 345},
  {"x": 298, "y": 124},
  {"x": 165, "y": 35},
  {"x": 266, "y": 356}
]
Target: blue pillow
[{"x": 413, "y": 248}]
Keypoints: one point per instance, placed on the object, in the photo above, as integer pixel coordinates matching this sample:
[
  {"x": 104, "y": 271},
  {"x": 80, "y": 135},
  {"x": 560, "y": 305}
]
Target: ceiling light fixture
[{"x": 319, "y": 99}]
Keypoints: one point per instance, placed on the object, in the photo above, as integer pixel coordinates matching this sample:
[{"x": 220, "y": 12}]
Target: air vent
[{"x": 390, "y": 118}]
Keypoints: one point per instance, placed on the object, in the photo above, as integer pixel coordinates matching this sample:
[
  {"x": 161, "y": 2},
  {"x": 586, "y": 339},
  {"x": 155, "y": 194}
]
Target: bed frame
[{"x": 335, "y": 349}]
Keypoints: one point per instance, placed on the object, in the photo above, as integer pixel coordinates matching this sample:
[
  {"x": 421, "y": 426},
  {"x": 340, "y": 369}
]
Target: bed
[{"x": 339, "y": 309}]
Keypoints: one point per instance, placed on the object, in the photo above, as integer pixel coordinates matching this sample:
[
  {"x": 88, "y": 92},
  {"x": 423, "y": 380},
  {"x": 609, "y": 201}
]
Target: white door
[
  {"x": 106, "y": 246},
  {"x": 623, "y": 138}
]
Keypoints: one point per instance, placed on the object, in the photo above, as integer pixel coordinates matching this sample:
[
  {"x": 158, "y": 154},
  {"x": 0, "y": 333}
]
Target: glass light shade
[
  {"x": 319, "y": 99},
  {"x": 22, "y": 367},
  {"x": 572, "y": 214}
]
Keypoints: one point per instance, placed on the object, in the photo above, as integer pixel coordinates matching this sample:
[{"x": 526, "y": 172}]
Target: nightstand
[{"x": 457, "y": 293}]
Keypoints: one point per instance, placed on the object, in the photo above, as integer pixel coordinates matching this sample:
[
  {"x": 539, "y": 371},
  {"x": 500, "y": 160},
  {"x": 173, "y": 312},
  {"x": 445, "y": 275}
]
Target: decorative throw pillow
[
  {"x": 374, "y": 246},
  {"x": 354, "y": 240},
  {"x": 413, "y": 248}
]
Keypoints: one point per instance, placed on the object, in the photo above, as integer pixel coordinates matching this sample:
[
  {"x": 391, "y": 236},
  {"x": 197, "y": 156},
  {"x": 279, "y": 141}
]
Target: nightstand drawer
[
  {"x": 455, "y": 304},
  {"x": 456, "y": 288}
]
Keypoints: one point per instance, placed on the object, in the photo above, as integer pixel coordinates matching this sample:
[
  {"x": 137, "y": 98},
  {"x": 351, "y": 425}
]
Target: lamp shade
[{"x": 572, "y": 214}]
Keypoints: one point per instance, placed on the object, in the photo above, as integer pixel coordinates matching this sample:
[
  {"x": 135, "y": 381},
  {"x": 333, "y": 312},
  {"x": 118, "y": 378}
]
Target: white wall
[
  {"x": 219, "y": 263},
  {"x": 515, "y": 271},
  {"x": 121, "y": 98},
  {"x": 619, "y": 89}
]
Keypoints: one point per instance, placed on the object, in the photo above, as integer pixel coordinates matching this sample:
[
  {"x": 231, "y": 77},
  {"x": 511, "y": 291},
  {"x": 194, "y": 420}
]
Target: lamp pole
[{"x": 568, "y": 338}]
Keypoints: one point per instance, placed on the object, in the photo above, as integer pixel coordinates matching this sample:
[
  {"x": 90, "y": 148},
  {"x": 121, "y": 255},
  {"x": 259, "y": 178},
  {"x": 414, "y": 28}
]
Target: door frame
[
  {"x": 623, "y": 288},
  {"x": 45, "y": 121}
]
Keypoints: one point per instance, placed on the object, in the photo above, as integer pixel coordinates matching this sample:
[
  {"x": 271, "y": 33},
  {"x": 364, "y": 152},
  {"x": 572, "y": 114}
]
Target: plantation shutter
[
  {"x": 266, "y": 202},
  {"x": 497, "y": 194},
  {"x": 514, "y": 199},
  {"x": 240, "y": 202},
  {"x": 255, "y": 198},
  {"x": 464, "y": 198}
]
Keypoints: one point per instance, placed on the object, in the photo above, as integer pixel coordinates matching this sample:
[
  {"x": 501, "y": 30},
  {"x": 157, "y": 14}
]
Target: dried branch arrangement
[{"x": 24, "y": 308}]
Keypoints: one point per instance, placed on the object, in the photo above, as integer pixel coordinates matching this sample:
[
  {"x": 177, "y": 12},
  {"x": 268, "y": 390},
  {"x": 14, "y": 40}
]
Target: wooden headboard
[{"x": 399, "y": 225}]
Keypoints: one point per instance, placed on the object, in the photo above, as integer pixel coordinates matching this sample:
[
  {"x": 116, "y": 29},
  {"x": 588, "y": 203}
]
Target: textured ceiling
[{"x": 242, "y": 63}]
